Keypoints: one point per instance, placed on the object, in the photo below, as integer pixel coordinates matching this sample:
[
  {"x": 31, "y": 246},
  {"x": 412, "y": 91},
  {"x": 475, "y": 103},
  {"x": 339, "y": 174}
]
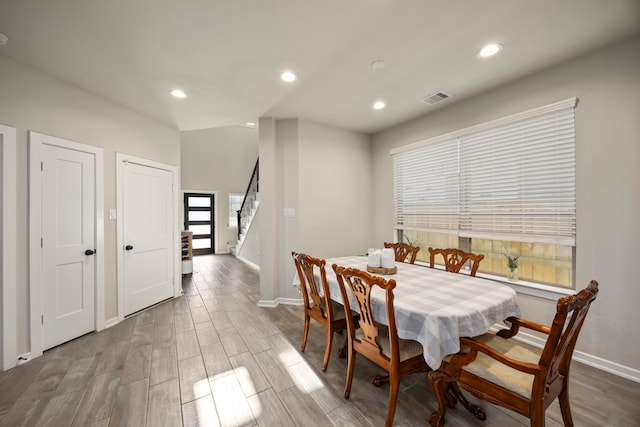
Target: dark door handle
[
  {"x": 128, "y": 247},
  {"x": 90, "y": 252}
]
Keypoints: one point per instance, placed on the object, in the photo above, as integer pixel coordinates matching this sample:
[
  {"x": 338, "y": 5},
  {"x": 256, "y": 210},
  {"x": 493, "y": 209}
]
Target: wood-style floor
[{"x": 212, "y": 357}]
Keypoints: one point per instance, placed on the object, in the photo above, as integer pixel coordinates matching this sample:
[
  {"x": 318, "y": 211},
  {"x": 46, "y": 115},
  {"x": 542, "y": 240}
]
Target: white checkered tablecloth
[{"x": 435, "y": 307}]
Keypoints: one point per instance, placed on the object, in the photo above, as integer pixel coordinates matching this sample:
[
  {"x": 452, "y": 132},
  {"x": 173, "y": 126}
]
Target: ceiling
[{"x": 227, "y": 55}]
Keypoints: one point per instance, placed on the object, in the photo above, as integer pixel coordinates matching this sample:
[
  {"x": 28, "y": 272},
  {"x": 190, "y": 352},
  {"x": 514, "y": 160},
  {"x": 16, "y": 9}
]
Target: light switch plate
[
  {"x": 289, "y": 212},
  {"x": 112, "y": 214}
]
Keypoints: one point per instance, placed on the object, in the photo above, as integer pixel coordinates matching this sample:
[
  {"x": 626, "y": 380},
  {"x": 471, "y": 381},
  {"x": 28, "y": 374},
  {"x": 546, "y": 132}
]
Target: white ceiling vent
[{"x": 435, "y": 97}]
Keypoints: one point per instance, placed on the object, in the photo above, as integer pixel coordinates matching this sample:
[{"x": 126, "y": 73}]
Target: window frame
[
  {"x": 233, "y": 213},
  {"x": 410, "y": 155}
]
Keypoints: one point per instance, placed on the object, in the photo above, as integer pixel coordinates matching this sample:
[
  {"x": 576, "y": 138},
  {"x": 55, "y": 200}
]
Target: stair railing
[{"x": 244, "y": 213}]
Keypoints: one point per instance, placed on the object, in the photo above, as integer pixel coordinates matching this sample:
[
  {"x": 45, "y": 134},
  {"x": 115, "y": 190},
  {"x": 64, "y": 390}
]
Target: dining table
[{"x": 433, "y": 306}]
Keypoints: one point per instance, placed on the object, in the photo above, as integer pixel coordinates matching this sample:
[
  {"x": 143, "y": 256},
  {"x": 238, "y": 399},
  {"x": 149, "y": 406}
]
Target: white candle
[
  {"x": 387, "y": 259},
  {"x": 374, "y": 258}
]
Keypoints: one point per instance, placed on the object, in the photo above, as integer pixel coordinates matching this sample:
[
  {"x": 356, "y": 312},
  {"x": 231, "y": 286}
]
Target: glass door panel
[{"x": 198, "y": 214}]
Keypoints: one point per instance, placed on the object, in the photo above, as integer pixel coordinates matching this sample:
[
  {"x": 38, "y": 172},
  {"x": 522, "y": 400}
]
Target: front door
[
  {"x": 199, "y": 219},
  {"x": 68, "y": 244},
  {"x": 147, "y": 236}
]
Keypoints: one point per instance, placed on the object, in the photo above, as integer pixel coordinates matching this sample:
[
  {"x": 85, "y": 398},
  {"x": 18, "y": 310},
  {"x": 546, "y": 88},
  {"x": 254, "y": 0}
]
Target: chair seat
[
  {"x": 408, "y": 348},
  {"x": 337, "y": 308},
  {"x": 499, "y": 373}
]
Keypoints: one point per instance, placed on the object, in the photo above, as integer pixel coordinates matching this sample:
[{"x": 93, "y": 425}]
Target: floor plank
[
  {"x": 61, "y": 409},
  {"x": 251, "y": 378},
  {"x": 187, "y": 344},
  {"x": 130, "y": 408},
  {"x": 164, "y": 365},
  {"x": 137, "y": 365},
  {"x": 268, "y": 410},
  {"x": 233, "y": 408},
  {"x": 98, "y": 400},
  {"x": 200, "y": 413},
  {"x": 164, "y": 405},
  {"x": 194, "y": 382}
]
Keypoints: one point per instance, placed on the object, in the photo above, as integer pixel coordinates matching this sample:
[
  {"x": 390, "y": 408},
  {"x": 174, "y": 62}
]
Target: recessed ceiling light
[
  {"x": 490, "y": 50},
  {"x": 3, "y": 39},
  {"x": 178, "y": 93},
  {"x": 379, "y": 105},
  {"x": 378, "y": 64},
  {"x": 250, "y": 124},
  {"x": 288, "y": 76}
]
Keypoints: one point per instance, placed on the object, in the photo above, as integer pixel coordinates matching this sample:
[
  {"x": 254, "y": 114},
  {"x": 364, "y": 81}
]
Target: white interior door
[
  {"x": 68, "y": 244},
  {"x": 147, "y": 236}
]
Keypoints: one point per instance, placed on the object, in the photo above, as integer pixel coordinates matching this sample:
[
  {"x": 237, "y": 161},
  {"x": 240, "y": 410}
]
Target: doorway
[
  {"x": 148, "y": 238},
  {"x": 66, "y": 241},
  {"x": 199, "y": 218}
]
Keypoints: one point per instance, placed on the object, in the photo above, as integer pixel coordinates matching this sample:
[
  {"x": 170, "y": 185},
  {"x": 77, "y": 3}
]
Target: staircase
[
  {"x": 242, "y": 230},
  {"x": 248, "y": 208}
]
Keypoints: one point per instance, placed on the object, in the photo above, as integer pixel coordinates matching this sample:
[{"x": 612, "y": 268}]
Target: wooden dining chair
[
  {"x": 318, "y": 303},
  {"x": 507, "y": 373},
  {"x": 375, "y": 341},
  {"x": 403, "y": 250},
  {"x": 455, "y": 259}
]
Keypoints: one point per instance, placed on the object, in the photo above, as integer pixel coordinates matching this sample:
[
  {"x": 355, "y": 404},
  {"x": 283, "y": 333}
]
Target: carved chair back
[
  {"x": 374, "y": 340},
  {"x": 317, "y": 302},
  {"x": 455, "y": 259},
  {"x": 403, "y": 250}
]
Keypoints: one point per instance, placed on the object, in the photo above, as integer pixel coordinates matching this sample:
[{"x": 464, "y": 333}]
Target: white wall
[
  {"x": 322, "y": 173},
  {"x": 335, "y": 192},
  {"x": 35, "y": 101},
  {"x": 607, "y": 84},
  {"x": 220, "y": 160}
]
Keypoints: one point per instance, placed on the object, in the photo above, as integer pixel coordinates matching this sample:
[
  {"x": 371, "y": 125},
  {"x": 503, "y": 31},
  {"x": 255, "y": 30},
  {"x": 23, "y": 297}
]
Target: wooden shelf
[{"x": 186, "y": 248}]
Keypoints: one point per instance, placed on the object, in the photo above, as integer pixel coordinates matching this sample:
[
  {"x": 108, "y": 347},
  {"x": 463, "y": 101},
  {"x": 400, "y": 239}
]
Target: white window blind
[
  {"x": 511, "y": 179},
  {"x": 426, "y": 195}
]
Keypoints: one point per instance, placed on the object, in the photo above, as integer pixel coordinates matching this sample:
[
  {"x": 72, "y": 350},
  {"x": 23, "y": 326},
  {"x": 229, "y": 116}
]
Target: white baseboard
[
  {"x": 249, "y": 263},
  {"x": 277, "y": 301},
  {"x": 111, "y": 322}
]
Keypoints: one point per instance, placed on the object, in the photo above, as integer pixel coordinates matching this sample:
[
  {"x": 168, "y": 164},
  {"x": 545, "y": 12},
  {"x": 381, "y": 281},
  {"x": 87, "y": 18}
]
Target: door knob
[
  {"x": 90, "y": 252},
  {"x": 128, "y": 247}
]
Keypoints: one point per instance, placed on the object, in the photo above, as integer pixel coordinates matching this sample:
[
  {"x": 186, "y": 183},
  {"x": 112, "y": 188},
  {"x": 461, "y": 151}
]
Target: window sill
[
  {"x": 531, "y": 288},
  {"x": 522, "y": 286}
]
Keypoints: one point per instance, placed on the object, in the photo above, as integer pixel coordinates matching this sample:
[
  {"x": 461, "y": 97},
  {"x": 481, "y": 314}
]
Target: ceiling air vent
[{"x": 436, "y": 97}]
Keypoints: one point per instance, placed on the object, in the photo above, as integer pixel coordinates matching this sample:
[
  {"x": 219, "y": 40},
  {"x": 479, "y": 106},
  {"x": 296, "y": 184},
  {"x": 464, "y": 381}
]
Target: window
[
  {"x": 502, "y": 188},
  {"x": 235, "y": 202}
]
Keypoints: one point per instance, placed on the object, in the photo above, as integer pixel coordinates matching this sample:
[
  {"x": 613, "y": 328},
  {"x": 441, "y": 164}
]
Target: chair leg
[
  {"x": 307, "y": 319},
  {"x": 351, "y": 358},
  {"x": 439, "y": 387},
  {"x": 537, "y": 415},
  {"x": 394, "y": 385},
  {"x": 538, "y": 419},
  {"x": 327, "y": 350},
  {"x": 378, "y": 380},
  {"x": 565, "y": 407},
  {"x": 342, "y": 352},
  {"x": 456, "y": 394}
]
